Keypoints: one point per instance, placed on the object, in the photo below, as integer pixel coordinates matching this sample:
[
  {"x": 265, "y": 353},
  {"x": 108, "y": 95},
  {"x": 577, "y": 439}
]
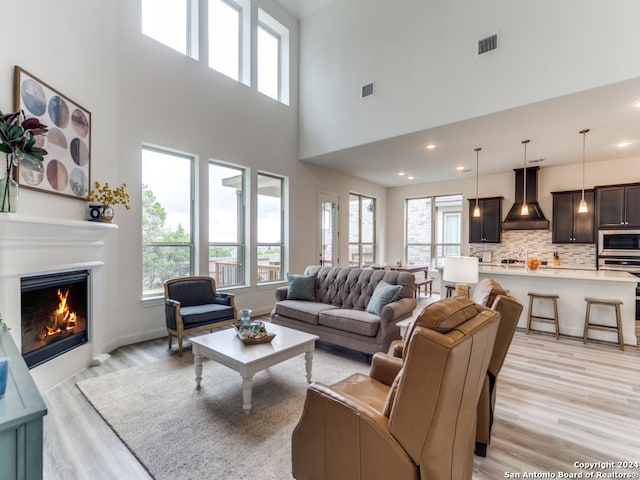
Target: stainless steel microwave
[{"x": 616, "y": 243}]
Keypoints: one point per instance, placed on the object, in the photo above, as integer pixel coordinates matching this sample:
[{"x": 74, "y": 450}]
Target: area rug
[{"x": 176, "y": 431}]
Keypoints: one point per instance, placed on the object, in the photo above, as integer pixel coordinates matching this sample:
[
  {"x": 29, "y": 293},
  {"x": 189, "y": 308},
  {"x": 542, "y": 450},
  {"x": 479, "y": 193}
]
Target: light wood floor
[{"x": 600, "y": 425}]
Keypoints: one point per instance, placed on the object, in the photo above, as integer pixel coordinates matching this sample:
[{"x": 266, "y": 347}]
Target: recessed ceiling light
[
  {"x": 430, "y": 146},
  {"x": 624, "y": 144},
  {"x": 460, "y": 169},
  {"x": 637, "y": 104},
  {"x": 401, "y": 174},
  {"x": 410, "y": 177}
]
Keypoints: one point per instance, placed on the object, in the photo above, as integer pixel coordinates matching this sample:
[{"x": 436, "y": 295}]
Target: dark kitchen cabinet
[
  {"x": 487, "y": 228},
  {"x": 618, "y": 206},
  {"x": 568, "y": 225}
]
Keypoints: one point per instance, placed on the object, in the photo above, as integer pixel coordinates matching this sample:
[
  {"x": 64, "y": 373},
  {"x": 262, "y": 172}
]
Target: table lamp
[{"x": 461, "y": 271}]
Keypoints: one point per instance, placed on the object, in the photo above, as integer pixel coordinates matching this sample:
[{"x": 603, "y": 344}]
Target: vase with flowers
[
  {"x": 18, "y": 141},
  {"x": 107, "y": 197}
]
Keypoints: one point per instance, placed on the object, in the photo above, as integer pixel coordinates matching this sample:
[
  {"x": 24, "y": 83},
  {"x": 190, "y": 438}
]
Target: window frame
[
  {"x": 281, "y": 244},
  {"x": 360, "y": 243},
  {"x": 243, "y": 8},
  {"x": 436, "y": 241},
  {"x": 242, "y": 232},
  {"x": 191, "y": 243},
  {"x": 274, "y": 27},
  {"x": 191, "y": 41}
]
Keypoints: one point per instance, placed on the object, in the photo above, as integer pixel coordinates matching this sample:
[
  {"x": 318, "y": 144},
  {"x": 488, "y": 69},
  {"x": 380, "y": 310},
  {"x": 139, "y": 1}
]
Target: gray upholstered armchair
[{"x": 191, "y": 304}]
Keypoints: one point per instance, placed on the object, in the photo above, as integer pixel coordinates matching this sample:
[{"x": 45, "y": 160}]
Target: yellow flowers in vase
[{"x": 107, "y": 198}]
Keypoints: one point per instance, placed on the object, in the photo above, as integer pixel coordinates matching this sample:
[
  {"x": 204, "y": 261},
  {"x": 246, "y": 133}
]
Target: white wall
[
  {"x": 141, "y": 91},
  {"x": 550, "y": 179},
  {"x": 422, "y": 57}
]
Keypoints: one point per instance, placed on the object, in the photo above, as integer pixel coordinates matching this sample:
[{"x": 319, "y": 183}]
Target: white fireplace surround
[{"x": 31, "y": 245}]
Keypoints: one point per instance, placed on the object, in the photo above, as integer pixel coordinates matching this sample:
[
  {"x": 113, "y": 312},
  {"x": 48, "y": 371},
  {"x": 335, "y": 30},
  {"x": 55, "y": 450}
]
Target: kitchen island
[{"x": 572, "y": 286}]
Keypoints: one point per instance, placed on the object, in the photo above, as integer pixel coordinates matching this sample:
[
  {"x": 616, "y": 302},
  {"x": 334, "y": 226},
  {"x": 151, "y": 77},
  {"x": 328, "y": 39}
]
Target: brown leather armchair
[
  {"x": 409, "y": 418},
  {"x": 510, "y": 310}
]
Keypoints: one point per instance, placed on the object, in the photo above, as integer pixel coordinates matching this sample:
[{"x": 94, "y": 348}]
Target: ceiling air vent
[
  {"x": 487, "y": 44},
  {"x": 367, "y": 90}
]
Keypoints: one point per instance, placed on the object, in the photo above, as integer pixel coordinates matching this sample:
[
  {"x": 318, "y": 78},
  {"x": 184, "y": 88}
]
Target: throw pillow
[
  {"x": 383, "y": 294},
  {"x": 301, "y": 287}
]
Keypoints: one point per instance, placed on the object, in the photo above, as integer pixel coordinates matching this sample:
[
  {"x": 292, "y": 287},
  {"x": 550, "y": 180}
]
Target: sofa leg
[{"x": 481, "y": 449}]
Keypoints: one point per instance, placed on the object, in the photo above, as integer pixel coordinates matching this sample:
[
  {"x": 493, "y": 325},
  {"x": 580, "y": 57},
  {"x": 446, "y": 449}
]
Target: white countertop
[{"x": 600, "y": 275}]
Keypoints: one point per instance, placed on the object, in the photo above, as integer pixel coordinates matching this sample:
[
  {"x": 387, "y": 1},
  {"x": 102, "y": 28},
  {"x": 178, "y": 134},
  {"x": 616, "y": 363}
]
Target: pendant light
[
  {"x": 582, "y": 208},
  {"x": 476, "y": 210},
  {"x": 524, "y": 210}
]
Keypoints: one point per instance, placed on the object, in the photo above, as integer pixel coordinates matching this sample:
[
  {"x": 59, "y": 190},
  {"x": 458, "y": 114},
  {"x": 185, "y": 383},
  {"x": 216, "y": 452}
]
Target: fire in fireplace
[{"x": 54, "y": 314}]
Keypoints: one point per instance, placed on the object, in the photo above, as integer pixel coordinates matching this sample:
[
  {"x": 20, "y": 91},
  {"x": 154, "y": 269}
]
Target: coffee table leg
[
  {"x": 247, "y": 387},
  {"x": 197, "y": 361},
  {"x": 308, "y": 358}
]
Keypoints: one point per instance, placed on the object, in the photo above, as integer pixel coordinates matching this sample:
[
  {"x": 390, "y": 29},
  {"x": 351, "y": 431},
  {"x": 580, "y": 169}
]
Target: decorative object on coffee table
[
  {"x": 66, "y": 169},
  {"x": 254, "y": 334}
]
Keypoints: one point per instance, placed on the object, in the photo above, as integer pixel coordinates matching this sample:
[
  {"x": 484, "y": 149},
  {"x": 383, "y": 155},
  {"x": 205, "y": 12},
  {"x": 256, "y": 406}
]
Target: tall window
[
  {"x": 226, "y": 224},
  {"x": 362, "y": 230},
  {"x": 433, "y": 226},
  {"x": 167, "y": 218},
  {"x": 225, "y": 29},
  {"x": 173, "y": 23},
  {"x": 270, "y": 244},
  {"x": 273, "y": 58}
]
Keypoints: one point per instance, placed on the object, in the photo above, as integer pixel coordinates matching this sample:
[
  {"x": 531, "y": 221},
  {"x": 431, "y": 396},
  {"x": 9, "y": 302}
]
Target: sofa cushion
[
  {"x": 301, "y": 287},
  {"x": 302, "y": 310},
  {"x": 383, "y": 294},
  {"x": 191, "y": 316},
  {"x": 353, "y": 321},
  {"x": 486, "y": 292}
]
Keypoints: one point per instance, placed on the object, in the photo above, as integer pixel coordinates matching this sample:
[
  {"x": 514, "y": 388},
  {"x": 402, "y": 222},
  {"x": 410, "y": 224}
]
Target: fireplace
[{"x": 54, "y": 314}]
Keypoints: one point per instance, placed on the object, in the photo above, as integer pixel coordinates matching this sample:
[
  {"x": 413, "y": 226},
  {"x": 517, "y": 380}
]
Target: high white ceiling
[{"x": 552, "y": 126}]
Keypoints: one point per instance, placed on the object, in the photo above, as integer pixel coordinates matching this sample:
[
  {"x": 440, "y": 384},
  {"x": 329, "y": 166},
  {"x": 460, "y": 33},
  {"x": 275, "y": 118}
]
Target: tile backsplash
[{"x": 538, "y": 245}]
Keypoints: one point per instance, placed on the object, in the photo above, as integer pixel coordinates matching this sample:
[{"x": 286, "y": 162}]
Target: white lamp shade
[{"x": 460, "y": 269}]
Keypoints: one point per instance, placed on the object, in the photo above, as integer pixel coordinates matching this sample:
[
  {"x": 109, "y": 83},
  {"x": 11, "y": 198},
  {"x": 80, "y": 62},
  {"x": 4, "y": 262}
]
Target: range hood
[{"x": 536, "y": 219}]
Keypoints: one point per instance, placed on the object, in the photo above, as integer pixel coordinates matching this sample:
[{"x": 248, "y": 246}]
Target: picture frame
[{"x": 66, "y": 169}]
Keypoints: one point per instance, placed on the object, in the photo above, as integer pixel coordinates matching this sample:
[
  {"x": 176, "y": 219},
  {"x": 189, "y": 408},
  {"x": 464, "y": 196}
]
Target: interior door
[{"x": 328, "y": 205}]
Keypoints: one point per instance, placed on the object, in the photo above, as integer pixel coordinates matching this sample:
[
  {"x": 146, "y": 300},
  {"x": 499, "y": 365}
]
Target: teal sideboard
[{"x": 21, "y": 412}]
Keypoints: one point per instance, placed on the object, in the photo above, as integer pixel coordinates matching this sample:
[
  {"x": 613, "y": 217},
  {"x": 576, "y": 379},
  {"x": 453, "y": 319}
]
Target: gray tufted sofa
[{"x": 339, "y": 314}]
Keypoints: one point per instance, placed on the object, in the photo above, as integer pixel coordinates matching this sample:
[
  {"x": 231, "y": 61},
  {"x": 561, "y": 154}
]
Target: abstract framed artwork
[{"x": 67, "y": 165}]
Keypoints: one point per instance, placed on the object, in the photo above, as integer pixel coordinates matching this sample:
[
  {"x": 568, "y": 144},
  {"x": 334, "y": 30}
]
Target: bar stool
[
  {"x": 543, "y": 296},
  {"x": 598, "y": 326}
]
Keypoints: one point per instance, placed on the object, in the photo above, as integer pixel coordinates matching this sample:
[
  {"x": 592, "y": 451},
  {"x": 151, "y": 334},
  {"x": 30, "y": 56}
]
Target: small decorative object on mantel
[
  {"x": 254, "y": 334},
  {"x": 18, "y": 141},
  {"x": 106, "y": 197}
]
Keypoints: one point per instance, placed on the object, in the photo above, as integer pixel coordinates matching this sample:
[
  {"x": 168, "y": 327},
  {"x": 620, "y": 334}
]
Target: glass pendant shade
[
  {"x": 583, "y": 208},
  {"x": 476, "y": 210},
  {"x": 524, "y": 210}
]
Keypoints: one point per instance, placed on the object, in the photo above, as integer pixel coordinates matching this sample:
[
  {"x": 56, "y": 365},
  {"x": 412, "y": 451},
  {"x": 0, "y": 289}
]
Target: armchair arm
[
  {"x": 281, "y": 293},
  {"x": 385, "y": 368},
  {"x": 172, "y": 314},
  {"x": 340, "y": 437}
]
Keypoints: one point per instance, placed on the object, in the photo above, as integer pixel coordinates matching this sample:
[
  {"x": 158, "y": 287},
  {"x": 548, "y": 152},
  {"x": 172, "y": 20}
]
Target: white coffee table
[{"x": 226, "y": 348}]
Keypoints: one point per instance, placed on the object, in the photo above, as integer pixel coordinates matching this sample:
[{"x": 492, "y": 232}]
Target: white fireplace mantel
[{"x": 32, "y": 245}]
